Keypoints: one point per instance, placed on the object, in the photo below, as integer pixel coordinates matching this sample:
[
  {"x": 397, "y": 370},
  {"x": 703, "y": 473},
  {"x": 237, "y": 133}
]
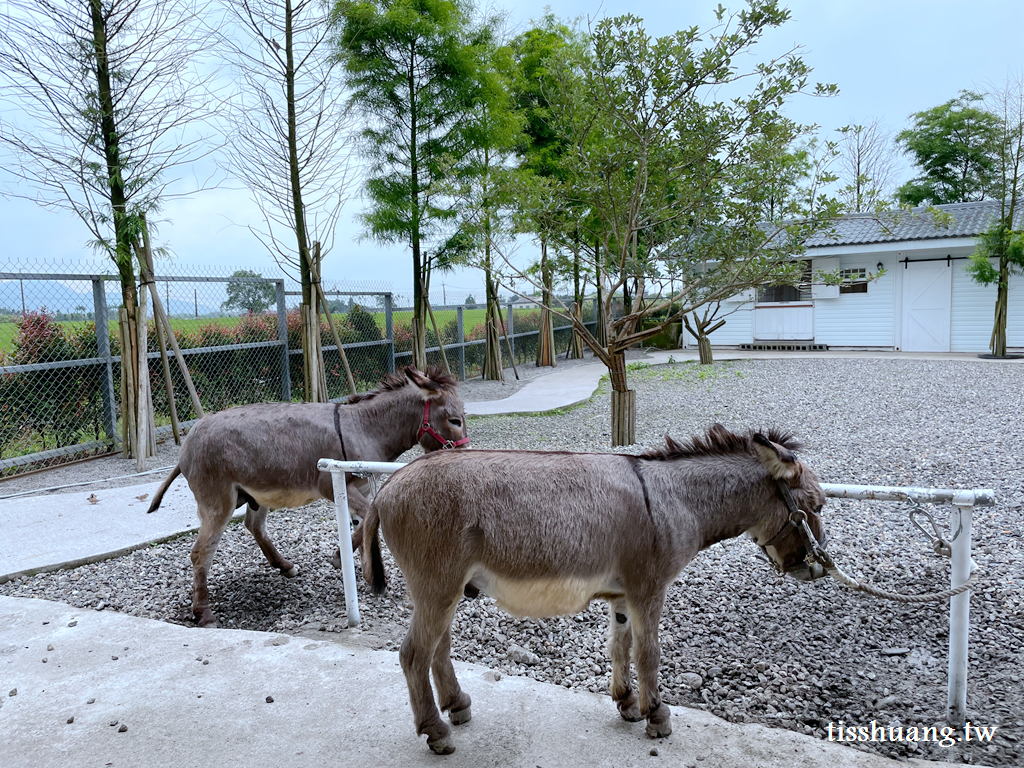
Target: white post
[
  {"x": 348, "y": 565},
  {"x": 960, "y": 519}
]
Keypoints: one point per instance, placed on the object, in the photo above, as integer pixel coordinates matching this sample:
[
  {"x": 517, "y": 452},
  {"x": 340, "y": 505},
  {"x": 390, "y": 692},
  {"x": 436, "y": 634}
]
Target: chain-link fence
[
  {"x": 239, "y": 335},
  {"x": 463, "y": 331}
]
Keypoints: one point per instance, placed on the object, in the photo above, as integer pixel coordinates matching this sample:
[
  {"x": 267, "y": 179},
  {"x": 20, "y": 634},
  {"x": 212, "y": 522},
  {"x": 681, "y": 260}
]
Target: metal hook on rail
[{"x": 938, "y": 544}]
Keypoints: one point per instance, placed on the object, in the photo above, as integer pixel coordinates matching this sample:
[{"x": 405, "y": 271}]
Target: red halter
[{"x": 426, "y": 429}]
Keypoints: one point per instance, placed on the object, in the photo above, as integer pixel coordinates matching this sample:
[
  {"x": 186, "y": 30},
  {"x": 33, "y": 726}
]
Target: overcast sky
[{"x": 888, "y": 58}]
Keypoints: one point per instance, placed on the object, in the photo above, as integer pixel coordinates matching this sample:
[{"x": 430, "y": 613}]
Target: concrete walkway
[
  {"x": 88, "y": 688},
  {"x": 69, "y": 673}
]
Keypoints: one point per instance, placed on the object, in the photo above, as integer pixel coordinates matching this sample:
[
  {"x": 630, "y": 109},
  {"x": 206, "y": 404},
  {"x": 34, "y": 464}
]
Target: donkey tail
[
  {"x": 373, "y": 563},
  {"x": 159, "y": 495}
]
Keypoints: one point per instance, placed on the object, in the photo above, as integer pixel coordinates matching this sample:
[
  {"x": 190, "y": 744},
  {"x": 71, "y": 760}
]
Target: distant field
[
  {"x": 9, "y": 331},
  {"x": 470, "y": 319}
]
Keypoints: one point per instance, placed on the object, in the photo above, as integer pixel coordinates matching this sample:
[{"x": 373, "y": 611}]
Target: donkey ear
[
  {"x": 779, "y": 461},
  {"x": 427, "y": 385}
]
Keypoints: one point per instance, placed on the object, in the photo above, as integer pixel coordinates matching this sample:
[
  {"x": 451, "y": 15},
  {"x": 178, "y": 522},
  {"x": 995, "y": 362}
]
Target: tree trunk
[
  {"x": 313, "y": 373},
  {"x": 998, "y": 344},
  {"x": 702, "y": 334},
  {"x": 704, "y": 347},
  {"x": 623, "y": 403},
  {"x": 546, "y": 339},
  {"x": 493, "y": 369},
  {"x": 575, "y": 351},
  {"x": 122, "y": 255}
]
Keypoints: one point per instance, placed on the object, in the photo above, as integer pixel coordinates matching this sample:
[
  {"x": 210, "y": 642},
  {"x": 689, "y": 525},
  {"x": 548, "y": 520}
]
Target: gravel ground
[{"x": 736, "y": 640}]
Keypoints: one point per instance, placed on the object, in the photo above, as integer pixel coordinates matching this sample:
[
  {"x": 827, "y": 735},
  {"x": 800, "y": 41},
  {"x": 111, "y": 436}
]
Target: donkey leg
[
  {"x": 256, "y": 522},
  {"x": 620, "y": 639},
  {"x": 453, "y": 699},
  {"x": 213, "y": 519},
  {"x": 647, "y": 654},
  {"x": 429, "y": 624}
]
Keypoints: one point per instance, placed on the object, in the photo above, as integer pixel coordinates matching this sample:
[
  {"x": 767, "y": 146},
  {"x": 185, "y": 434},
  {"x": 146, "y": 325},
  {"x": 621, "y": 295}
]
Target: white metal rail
[{"x": 960, "y": 519}]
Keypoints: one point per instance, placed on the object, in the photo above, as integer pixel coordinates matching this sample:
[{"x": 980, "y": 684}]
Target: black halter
[{"x": 797, "y": 519}]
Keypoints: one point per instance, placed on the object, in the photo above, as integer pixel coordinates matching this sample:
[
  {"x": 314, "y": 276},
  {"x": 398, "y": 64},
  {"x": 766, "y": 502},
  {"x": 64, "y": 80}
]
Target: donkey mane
[
  {"x": 441, "y": 380},
  {"x": 719, "y": 441}
]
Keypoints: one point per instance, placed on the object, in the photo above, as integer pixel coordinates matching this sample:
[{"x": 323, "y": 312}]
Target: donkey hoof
[
  {"x": 291, "y": 573},
  {"x": 336, "y": 559},
  {"x": 659, "y": 722},
  {"x": 207, "y": 620},
  {"x": 442, "y": 746},
  {"x": 629, "y": 708},
  {"x": 632, "y": 714},
  {"x": 659, "y": 730},
  {"x": 459, "y": 716}
]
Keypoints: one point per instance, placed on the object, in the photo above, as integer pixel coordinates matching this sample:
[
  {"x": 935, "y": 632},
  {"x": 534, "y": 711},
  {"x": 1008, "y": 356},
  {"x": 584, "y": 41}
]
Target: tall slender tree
[
  {"x": 107, "y": 96},
  {"x": 290, "y": 137},
  {"x": 542, "y": 155},
  {"x": 1004, "y": 240},
  {"x": 493, "y": 128},
  {"x": 866, "y": 166},
  {"x": 410, "y": 66}
]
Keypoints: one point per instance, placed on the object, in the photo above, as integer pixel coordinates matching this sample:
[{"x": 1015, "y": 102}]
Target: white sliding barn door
[{"x": 927, "y": 299}]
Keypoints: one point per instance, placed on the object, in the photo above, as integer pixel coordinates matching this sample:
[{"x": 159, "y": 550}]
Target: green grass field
[
  {"x": 9, "y": 331},
  {"x": 470, "y": 319}
]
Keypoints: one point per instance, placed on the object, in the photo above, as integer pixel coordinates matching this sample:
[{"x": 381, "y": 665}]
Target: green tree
[
  {"x": 493, "y": 128},
  {"x": 410, "y": 66},
  {"x": 252, "y": 294},
  {"x": 656, "y": 167},
  {"x": 1004, "y": 240},
  {"x": 955, "y": 146},
  {"x": 550, "y": 213}
]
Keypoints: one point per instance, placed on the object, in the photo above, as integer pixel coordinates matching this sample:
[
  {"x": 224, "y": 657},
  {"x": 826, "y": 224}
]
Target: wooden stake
[
  {"x": 168, "y": 383},
  {"x": 440, "y": 344},
  {"x": 142, "y": 384},
  {"x": 623, "y": 417},
  {"x": 161, "y": 316},
  {"x": 508, "y": 343},
  {"x": 127, "y": 384}
]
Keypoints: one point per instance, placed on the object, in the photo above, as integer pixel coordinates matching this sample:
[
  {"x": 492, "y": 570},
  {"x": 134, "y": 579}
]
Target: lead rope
[
  {"x": 815, "y": 553},
  {"x": 836, "y": 573}
]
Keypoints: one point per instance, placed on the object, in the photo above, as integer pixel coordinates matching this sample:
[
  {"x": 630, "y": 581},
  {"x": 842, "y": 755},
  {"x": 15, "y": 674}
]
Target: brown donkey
[
  {"x": 546, "y": 533},
  {"x": 266, "y": 455}
]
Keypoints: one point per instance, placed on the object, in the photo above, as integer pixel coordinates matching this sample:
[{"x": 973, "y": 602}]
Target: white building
[{"x": 925, "y": 301}]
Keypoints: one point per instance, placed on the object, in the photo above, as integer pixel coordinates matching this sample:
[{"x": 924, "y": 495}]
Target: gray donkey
[
  {"x": 266, "y": 455},
  {"x": 546, "y": 533}
]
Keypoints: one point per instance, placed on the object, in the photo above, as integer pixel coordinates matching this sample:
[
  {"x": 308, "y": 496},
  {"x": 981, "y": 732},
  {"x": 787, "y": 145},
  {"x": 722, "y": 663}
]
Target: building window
[
  {"x": 784, "y": 293},
  {"x": 854, "y": 281}
]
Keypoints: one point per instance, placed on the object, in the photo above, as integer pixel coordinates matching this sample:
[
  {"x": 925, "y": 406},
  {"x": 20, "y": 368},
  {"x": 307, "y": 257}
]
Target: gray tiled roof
[{"x": 969, "y": 220}]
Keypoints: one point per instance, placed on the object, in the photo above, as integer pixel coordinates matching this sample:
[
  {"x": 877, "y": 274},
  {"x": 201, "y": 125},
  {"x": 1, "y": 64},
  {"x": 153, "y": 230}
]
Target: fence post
[
  {"x": 389, "y": 331},
  {"x": 107, "y": 396},
  {"x": 960, "y": 518},
  {"x": 460, "y": 332},
  {"x": 282, "y": 336},
  {"x": 511, "y": 333}
]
